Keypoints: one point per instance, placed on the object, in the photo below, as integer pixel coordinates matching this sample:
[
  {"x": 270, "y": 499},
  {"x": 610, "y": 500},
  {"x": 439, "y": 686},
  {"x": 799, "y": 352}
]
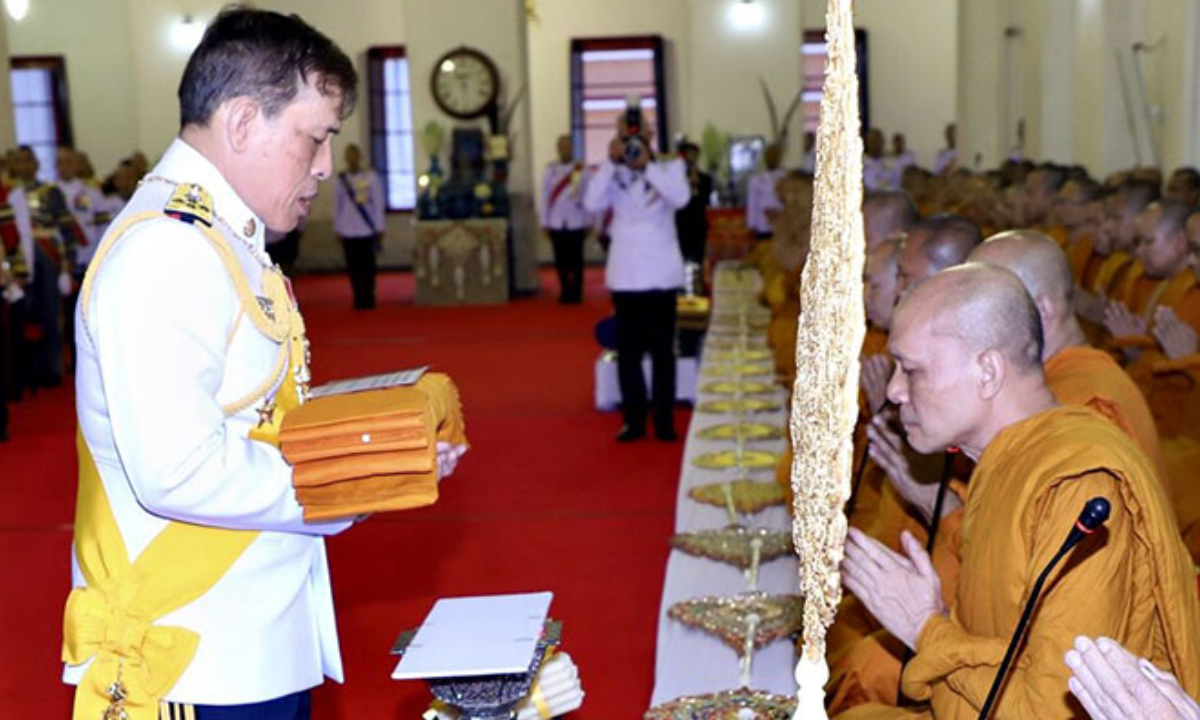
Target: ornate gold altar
[{"x": 461, "y": 262}]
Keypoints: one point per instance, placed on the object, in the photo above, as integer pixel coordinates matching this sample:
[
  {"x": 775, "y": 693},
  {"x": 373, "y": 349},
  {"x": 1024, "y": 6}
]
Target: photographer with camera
[{"x": 645, "y": 267}]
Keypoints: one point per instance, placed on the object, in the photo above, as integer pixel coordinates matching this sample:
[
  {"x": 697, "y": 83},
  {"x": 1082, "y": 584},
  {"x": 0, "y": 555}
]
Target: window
[
  {"x": 391, "y": 126},
  {"x": 604, "y": 73},
  {"x": 41, "y": 116},
  {"x": 814, "y": 56}
]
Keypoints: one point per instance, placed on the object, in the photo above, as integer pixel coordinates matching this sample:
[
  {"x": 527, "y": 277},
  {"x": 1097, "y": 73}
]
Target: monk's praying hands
[
  {"x": 876, "y": 370},
  {"x": 1121, "y": 322},
  {"x": 888, "y": 450},
  {"x": 1176, "y": 337},
  {"x": 901, "y": 591}
]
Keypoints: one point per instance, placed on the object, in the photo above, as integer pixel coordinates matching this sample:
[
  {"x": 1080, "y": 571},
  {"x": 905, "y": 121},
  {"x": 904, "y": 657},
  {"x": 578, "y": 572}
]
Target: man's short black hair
[{"x": 262, "y": 55}]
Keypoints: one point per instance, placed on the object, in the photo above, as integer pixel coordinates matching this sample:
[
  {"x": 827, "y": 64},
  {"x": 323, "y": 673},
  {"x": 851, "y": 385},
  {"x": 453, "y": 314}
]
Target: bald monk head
[
  {"x": 1076, "y": 202},
  {"x": 1193, "y": 236},
  {"x": 879, "y": 283},
  {"x": 1121, "y": 209},
  {"x": 935, "y": 244},
  {"x": 887, "y": 214},
  {"x": 1162, "y": 238},
  {"x": 1185, "y": 185},
  {"x": 968, "y": 350},
  {"x": 1042, "y": 267}
]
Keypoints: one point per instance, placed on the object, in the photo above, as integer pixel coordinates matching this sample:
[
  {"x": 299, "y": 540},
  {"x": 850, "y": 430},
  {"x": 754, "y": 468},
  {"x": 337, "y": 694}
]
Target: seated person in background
[
  {"x": 1184, "y": 186},
  {"x": 968, "y": 348}
]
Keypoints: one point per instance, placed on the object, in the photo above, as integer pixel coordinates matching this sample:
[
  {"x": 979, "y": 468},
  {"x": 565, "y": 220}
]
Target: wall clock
[{"x": 465, "y": 83}]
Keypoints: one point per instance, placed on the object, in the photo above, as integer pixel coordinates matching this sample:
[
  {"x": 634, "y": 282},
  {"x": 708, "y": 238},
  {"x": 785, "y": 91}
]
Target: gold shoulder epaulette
[{"x": 190, "y": 203}]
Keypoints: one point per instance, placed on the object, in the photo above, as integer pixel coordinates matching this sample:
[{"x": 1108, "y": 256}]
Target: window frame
[
  {"x": 655, "y": 44},
  {"x": 862, "y": 65},
  {"x": 60, "y": 97},
  {"x": 377, "y": 123}
]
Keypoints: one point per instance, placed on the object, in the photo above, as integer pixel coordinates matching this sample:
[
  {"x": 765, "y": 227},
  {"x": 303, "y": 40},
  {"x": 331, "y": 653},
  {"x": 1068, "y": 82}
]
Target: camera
[{"x": 634, "y": 146}]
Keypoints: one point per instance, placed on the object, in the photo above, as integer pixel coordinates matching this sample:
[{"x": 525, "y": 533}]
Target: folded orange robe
[
  {"x": 371, "y": 451},
  {"x": 1134, "y": 583}
]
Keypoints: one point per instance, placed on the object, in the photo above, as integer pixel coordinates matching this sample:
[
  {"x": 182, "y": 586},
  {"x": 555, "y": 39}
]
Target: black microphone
[{"x": 1095, "y": 513}]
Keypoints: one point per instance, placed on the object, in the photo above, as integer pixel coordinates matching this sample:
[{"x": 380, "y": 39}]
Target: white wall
[
  {"x": 912, "y": 68},
  {"x": 102, "y": 100}
]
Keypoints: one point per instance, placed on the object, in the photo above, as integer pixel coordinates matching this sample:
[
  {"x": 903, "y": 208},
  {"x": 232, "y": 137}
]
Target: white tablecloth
[{"x": 690, "y": 661}]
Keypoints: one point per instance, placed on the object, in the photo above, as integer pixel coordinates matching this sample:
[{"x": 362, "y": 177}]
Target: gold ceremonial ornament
[
  {"x": 745, "y": 354},
  {"x": 746, "y": 432},
  {"x": 735, "y": 544},
  {"x": 744, "y": 405},
  {"x": 725, "y": 387},
  {"x": 729, "y": 459},
  {"x": 747, "y": 496},
  {"x": 737, "y": 371},
  {"x": 769, "y": 617},
  {"x": 743, "y": 704}
]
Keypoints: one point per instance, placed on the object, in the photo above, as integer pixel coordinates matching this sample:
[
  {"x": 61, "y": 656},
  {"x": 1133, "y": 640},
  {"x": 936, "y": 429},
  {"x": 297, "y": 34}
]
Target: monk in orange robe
[
  {"x": 1075, "y": 374},
  {"x": 970, "y": 375},
  {"x": 1113, "y": 243}
]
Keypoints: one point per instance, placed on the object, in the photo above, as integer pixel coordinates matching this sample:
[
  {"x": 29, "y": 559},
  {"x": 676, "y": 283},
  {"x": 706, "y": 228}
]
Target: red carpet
[{"x": 546, "y": 500}]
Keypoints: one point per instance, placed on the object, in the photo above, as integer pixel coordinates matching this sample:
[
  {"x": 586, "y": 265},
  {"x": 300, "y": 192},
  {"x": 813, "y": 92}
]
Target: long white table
[{"x": 689, "y": 661}]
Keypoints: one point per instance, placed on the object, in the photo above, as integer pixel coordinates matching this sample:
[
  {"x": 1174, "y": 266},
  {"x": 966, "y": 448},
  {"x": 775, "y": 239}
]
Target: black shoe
[
  {"x": 666, "y": 434},
  {"x": 629, "y": 433}
]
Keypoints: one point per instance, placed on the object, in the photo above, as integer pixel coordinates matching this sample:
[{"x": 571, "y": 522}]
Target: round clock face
[{"x": 465, "y": 83}]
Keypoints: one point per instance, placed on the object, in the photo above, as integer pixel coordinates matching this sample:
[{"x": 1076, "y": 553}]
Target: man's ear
[
  {"x": 1046, "y": 310},
  {"x": 240, "y": 115},
  {"x": 993, "y": 372}
]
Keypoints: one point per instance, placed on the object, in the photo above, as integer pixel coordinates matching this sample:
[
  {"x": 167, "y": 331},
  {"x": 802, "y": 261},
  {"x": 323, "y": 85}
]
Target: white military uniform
[
  {"x": 761, "y": 197},
  {"x": 163, "y": 348},
  {"x": 645, "y": 253},
  {"x": 83, "y": 200}
]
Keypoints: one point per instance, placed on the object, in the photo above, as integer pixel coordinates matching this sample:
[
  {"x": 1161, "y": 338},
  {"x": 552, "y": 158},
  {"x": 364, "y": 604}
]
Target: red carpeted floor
[{"x": 546, "y": 500}]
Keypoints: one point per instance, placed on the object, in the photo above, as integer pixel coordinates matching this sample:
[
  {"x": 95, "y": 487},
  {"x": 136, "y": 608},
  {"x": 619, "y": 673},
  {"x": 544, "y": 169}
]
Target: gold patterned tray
[
  {"x": 727, "y": 705},
  {"x": 746, "y": 355},
  {"x": 745, "y": 405},
  {"x": 743, "y": 431},
  {"x": 728, "y": 387},
  {"x": 774, "y": 617},
  {"x": 749, "y": 496},
  {"x": 725, "y": 370},
  {"x": 735, "y": 545},
  {"x": 724, "y": 342},
  {"x": 728, "y": 459}
]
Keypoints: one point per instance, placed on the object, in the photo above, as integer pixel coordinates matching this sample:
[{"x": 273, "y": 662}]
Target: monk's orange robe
[
  {"x": 866, "y": 669},
  {"x": 1105, "y": 277},
  {"x": 1079, "y": 254},
  {"x": 1076, "y": 375},
  {"x": 1135, "y": 583},
  {"x": 1059, "y": 234}
]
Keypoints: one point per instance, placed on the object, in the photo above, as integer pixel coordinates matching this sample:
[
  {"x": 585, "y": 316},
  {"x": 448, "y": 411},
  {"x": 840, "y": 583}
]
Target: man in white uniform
[
  {"x": 565, "y": 220},
  {"x": 196, "y": 580},
  {"x": 644, "y": 272},
  {"x": 760, "y": 194}
]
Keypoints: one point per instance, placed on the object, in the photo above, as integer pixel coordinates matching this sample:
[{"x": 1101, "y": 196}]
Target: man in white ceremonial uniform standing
[
  {"x": 358, "y": 220},
  {"x": 644, "y": 271},
  {"x": 565, "y": 219},
  {"x": 199, "y": 590},
  {"x": 760, "y": 194}
]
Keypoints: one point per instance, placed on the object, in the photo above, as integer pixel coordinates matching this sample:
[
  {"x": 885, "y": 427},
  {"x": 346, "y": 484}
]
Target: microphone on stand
[{"x": 1094, "y": 514}]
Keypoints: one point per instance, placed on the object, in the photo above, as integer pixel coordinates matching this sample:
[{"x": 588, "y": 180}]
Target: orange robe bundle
[
  {"x": 1137, "y": 586},
  {"x": 371, "y": 451}
]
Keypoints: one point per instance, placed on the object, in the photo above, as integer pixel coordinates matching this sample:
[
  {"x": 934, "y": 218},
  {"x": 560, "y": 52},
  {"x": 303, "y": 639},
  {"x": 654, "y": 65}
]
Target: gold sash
[{"x": 135, "y": 663}]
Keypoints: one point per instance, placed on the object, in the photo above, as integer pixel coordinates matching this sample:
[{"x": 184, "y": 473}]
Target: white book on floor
[{"x": 473, "y": 636}]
